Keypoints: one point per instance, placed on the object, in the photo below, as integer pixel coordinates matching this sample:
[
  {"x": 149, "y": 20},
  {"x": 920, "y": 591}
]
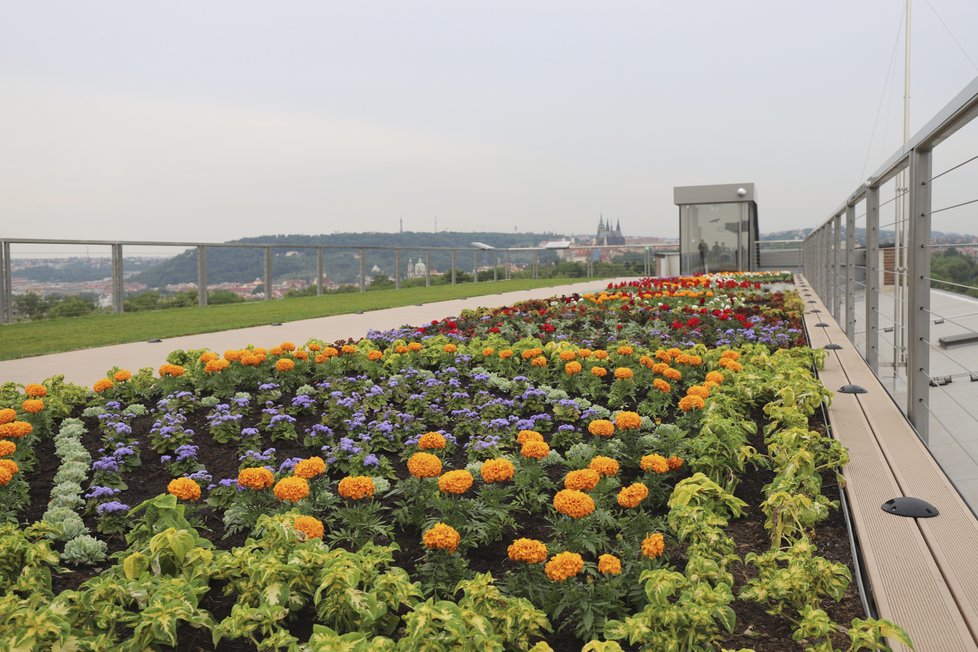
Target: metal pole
[
  {"x": 427, "y": 268},
  {"x": 201, "y": 275},
  {"x": 872, "y": 278},
  {"x": 495, "y": 265},
  {"x": 475, "y": 266},
  {"x": 363, "y": 270},
  {"x": 118, "y": 289},
  {"x": 836, "y": 250},
  {"x": 850, "y": 272},
  {"x": 268, "y": 273},
  {"x": 453, "y": 267},
  {"x": 918, "y": 299},
  {"x": 536, "y": 262},
  {"x": 397, "y": 269},
  {"x": 320, "y": 270},
  {"x": 508, "y": 266},
  {"x": 6, "y": 300}
]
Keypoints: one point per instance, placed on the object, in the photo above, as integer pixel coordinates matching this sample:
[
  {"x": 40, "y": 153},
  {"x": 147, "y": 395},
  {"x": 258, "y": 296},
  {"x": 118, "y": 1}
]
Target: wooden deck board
[{"x": 922, "y": 572}]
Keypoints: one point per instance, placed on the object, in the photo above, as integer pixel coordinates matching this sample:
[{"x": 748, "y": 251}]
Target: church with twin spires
[{"x": 608, "y": 236}]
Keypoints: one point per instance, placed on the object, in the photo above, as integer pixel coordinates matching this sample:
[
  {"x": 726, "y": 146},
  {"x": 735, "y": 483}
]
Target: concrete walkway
[{"x": 88, "y": 365}]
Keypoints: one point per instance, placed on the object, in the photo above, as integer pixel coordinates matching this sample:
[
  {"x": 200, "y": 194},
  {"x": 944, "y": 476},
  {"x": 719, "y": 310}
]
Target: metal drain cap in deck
[
  {"x": 822, "y": 324},
  {"x": 909, "y": 507},
  {"x": 852, "y": 389},
  {"x": 832, "y": 346}
]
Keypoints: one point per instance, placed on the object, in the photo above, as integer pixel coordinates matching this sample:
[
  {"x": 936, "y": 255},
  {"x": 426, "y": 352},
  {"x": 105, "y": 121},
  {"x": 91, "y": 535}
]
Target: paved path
[{"x": 88, "y": 365}]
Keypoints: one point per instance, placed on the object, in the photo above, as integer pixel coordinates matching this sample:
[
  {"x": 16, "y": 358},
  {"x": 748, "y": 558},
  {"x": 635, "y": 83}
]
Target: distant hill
[
  {"x": 242, "y": 265},
  {"x": 938, "y": 237}
]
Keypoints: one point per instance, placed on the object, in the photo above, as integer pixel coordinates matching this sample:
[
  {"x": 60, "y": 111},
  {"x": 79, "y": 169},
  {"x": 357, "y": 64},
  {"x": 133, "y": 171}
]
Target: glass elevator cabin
[{"x": 717, "y": 228}]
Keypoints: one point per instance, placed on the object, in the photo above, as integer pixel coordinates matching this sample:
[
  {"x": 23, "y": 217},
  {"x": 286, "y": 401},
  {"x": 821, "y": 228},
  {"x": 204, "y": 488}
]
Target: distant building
[{"x": 608, "y": 236}]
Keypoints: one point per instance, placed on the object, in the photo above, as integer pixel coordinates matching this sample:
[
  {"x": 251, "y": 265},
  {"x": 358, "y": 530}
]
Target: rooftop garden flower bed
[{"x": 640, "y": 469}]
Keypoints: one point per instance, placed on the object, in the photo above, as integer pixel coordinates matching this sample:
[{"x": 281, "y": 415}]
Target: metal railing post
[
  {"x": 6, "y": 286},
  {"x": 836, "y": 250},
  {"x": 397, "y": 269},
  {"x": 475, "y": 266},
  {"x": 201, "y": 275},
  {"x": 918, "y": 300},
  {"x": 363, "y": 270},
  {"x": 850, "y": 272},
  {"x": 872, "y": 278},
  {"x": 536, "y": 263},
  {"x": 509, "y": 266},
  {"x": 427, "y": 268},
  {"x": 268, "y": 273},
  {"x": 320, "y": 270},
  {"x": 453, "y": 266},
  {"x": 495, "y": 265},
  {"x": 118, "y": 288}
]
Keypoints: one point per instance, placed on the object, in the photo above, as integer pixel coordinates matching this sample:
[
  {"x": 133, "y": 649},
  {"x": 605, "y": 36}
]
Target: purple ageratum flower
[
  {"x": 106, "y": 464},
  {"x": 186, "y": 451},
  {"x": 480, "y": 378},
  {"x": 122, "y": 451},
  {"x": 371, "y": 460},
  {"x": 201, "y": 476},
  {"x": 525, "y": 424},
  {"x": 98, "y": 491},
  {"x": 165, "y": 459},
  {"x": 289, "y": 464},
  {"x": 565, "y": 428},
  {"x": 249, "y": 432},
  {"x": 113, "y": 405},
  {"x": 267, "y": 387},
  {"x": 302, "y": 401},
  {"x": 111, "y": 507}
]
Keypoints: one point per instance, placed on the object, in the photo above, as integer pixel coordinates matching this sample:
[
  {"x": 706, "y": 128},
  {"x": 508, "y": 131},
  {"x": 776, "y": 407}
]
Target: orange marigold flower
[
  {"x": 539, "y": 361},
  {"x": 424, "y": 465},
  {"x": 730, "y": 355},
  {"x": 659, "y": 367},
  {"x": 184, "y": 489},
  {"x": 488, "y": 351},
  {"x": 714, "y": 377},
  {"x": 441, "y": 536},
  {"x": 431, "y": 441},
  {"x": 310, "y": 467},
  {"x": 347, "y": 349},
  {"x": 688, "y": 403},
  {"x": 698, "y": 390},
  {"x": 605, "y": 466},
  {"x": 653, "y": 545},
  {"x": 497, "y": 470},
  {"x": 234, "y": 355},
  {"x": 7, "y": 447},
  {"x": 300, "y": 355},
  {"x": 400, "y": 348},
  {"x": 102, "y": 384},
  {"x": 629, "y": 497},
  {"x": 10, "y": 465},
  {"x": 292, "y": 489},
  {"x": 609, "y": 565},
  {"x": 7, "y": 415},
  {"x": 624, "y": 349},
  {"x": 528, "y": 551},
  {"x": 276, "y": 350},
  {"x": 536, "y": 450},
  {"x": 628, "y": 420},
  {"x": 672, "y": 374},
  {"x": 315, "y": 346},
  {"x": 600, "y": 372},
  {"x": 216, "y": 366},
  {"x": 5, "y": 477},
  {"x": 506, "y": 354},
  {"x": 356, "y": 487},
  {"x": 284, "y": 364},
  {"x": 524, "y": 436},
  {"x": 573, "y": 503},
  {"x": 173, "y": 370},
  {"x": 207, "y": 356},
  {"x": 329, "y": 352},
  {"x": 623, "y": 373},
  {"x": 572, "y": 368},
  {"x": 287, "y": 346},
  {"x": 567, "y": 356},
  {"x": 16, "y": 429},
  {"x": 582, "y": 479},
  {"x": 531, "y": 353},
  {"x": 661, "y": 385},
  {"x": 455, "y": 482},
  {"x": 35, "y": 390},
  {"x": 675, "y": 463},
  {"x": 415, "y": 346},
  {"x": 584, "y": 353},
  {"x": 563, "y": 566},
  {"x": 32, "y": 405},
  {"x": 662, "y": 354},
  {"x": 252, "y": 360},
  {"x": 689, "y": 359},
  {"x": 310, "y": 526},
  {"x": 449, "y": 348},
  {"x": 601, "y": 428},
  {"x": 646, "y": 362},
  {"x": 256, "y": 478},
  {"x": 375, "y": 355},
  {"x": 600, "y": 354},
  {"x": 655, "y": 463}
]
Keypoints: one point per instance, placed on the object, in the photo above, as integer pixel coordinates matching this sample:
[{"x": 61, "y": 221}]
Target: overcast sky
[{"x": 219, "y": 120}]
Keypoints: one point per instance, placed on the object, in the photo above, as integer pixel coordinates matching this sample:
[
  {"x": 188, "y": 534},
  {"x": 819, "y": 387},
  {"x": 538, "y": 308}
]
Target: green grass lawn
[{"x": 69, "y": 334}]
